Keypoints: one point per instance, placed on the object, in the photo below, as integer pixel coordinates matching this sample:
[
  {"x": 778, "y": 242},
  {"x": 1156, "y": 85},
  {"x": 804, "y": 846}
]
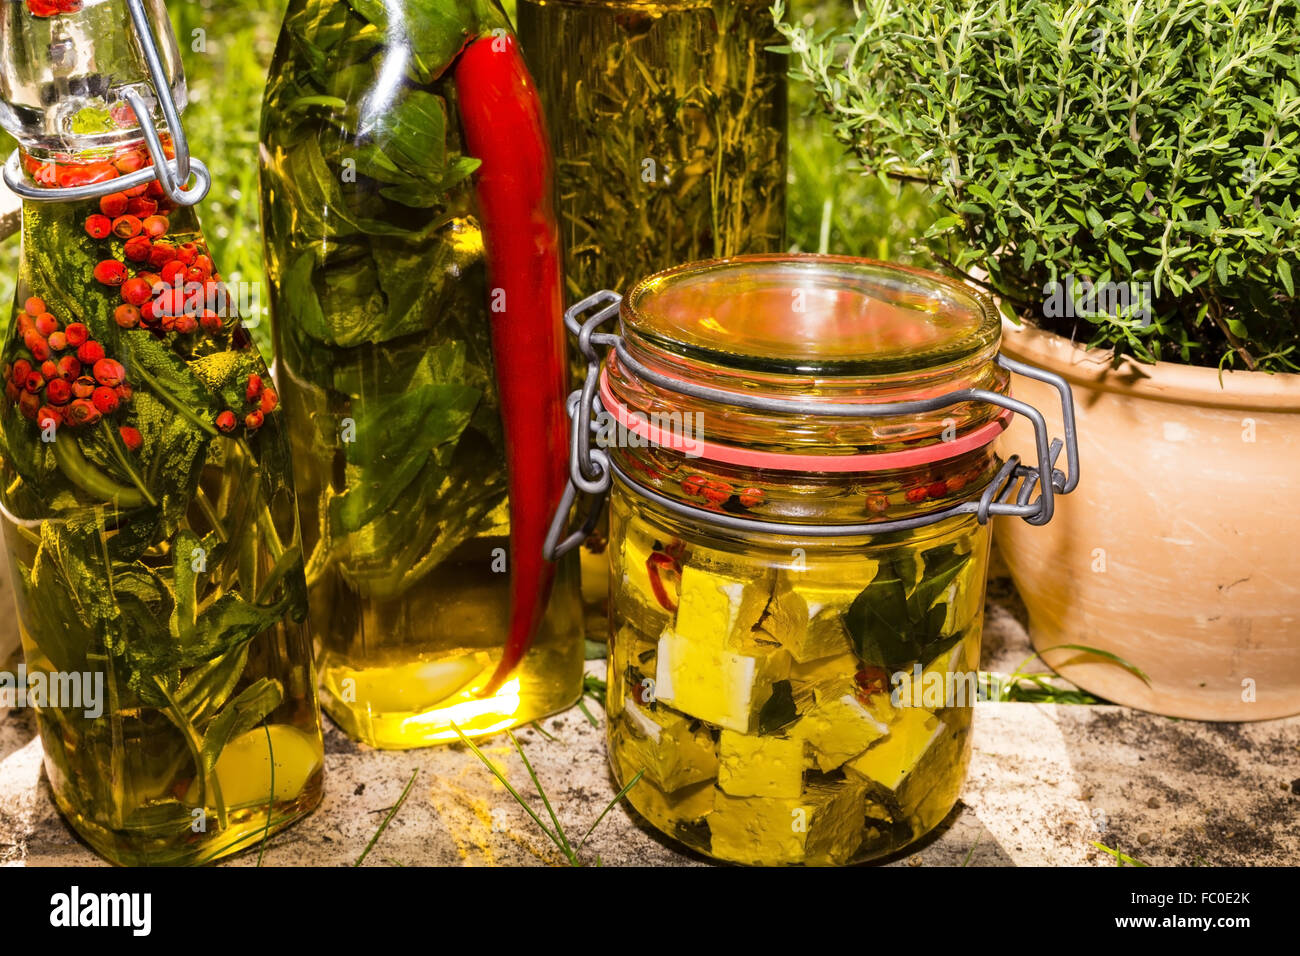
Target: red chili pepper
[
  {"x": 504, "y": 128},
  {"x": 658, "y": 561}
]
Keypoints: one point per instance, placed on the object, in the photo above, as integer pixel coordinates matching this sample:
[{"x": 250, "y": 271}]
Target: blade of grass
[
  {"x": 538, "y": 727},
  {"x": 971, "y": 852},
  {"x": 541, "y": 792},
  {"x": 586, "y": 713},
  {"x": 270, "y": 801},
  {"x": 610, "y": 806},
  {"x": 1115, "y": 658},
  {"x": 388, "y": 819},
  {"x": 506, "y": 783},
  {"x": 1121, "y": 859}
]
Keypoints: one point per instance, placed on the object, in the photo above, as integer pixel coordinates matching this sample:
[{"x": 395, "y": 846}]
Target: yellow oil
[
  {"x": 848, "y": 774},
  {"x": 413, "y": 670}
]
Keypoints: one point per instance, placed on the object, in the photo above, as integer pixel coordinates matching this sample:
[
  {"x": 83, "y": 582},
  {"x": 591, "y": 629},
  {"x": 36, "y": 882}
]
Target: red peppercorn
[
  {"x": 113, "y": 205},
  {"x": 37, "y": 345},
  {"x": 172, "y": 271},
  {"x": 751, "y": 497},
  {"x": 142, "y": 207},
  {"x": 877, "y": 504},
  {"x": 105, "y": 400},
  {"x": 269, "y": 400},
  {"x": 90, "y": 352},
  {"x": 137, "y": 249},
  {"x": 49, "y": 369},
  {"x": 98, "y": 227},
  {"x": 915, "y": 495},
  {"x": 84, "y": 387},
  {"x": 46, "y": 324},
  {"x": 210, "y": 321},
  {"x": 69, "y": 368},
  {"x": 154, "y": 190},
  {"x": 187, "y": 252},
  {"x": 81, "y": 411},
  {"x": 28, "y": 404},
  {"x": 129, "y": 161},
  {"x": 127, "y": 316},
  {"x": 125, "y": 391},
  {"x": 18, "y": 374},
  {"x": 130, "y": 438},
  {"x": 161, "y": 254},
  {"x": 43, "y": 8},
  {"x": 127, "y": 227},
  {"x": 109, "y": 372},
  {"x": 253, "y": 420},
  {"x": 136, "y": 291},
  {"x": 76, "y": 333},
  {"x": 156, "y": 226},
  {"x": 34, "y": 305},
  {"x": 47, "y": 415},
  {"x": 936, "y": 489},
  {"x": 694, "y": 485},
  {"x": 58, "y": 341},
  {"x": 955, "y": 484},
  {"x": 58, "y": 391},
  {"x": 195, "y": 274},
  {"x": 226, "y": 422},
  {"x": 204, "y": 265},
  {"x": 110, "y": 272},
  {"x": 717, "y": 492},
  {"x": 135, "y": 192},
  {"x": 167, "y": 323},
  {"x": 254, "y": 389},
  {"x": 171, "y": 301},
  {"x": 35, "y": 382},
  {"x": 186, "y": 324}
]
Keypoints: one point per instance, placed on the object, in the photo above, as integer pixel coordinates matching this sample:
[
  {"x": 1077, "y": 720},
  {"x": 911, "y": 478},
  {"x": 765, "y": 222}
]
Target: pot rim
[{"x": 1161, "y": 381}]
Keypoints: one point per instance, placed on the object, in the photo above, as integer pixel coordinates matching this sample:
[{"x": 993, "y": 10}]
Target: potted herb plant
[{"x": 1122, "y": 176}]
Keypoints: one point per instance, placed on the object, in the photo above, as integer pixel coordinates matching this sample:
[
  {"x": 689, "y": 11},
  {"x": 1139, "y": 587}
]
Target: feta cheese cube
[
  {"x": 807, "y": 617},
  {"x": 758, "y": 766},
  {"x": 716, "y": 607},
  {"x": 839, "y": 725},
  {"x": 707, "y": 680},
  {"x": 635, "y": 597},
  {"x": 892, "y": 760},
  {"x": 662, "y": 743},
  {"x": 669, "y": 810},
  {"x": 824, "y": 826}
]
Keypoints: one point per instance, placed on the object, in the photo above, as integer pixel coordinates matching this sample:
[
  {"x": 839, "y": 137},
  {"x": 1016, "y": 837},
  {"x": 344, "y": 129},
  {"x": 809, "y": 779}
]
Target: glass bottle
[
  {"x": 669, "y": 124},
  {"x": 379, "y": 263},
  {"x": 148, "y": 509}
]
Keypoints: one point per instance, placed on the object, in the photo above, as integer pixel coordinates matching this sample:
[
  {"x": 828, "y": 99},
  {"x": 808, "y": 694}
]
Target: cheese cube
[
  {"x": 838, "y": 668},
  {"x": 839, "y": 725},
  {"x": 662, "y": 743},
  {"x": 717, "y": 608},
  {"x": 892, "y": 760},
  {"x": 753, "y": 766},
  {"x": 724, "y": 687},
  {"x": 823, "y": 826}
]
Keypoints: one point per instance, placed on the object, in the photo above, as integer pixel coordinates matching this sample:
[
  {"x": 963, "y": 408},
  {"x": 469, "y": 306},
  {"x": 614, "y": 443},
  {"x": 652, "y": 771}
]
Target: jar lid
[
  {"x": 771, "y": 338},
  {"x": 812, "y": 315}
]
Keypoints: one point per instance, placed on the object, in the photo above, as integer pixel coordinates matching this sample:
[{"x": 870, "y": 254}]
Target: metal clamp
[
  {"x": 1016, "y": 490},
  {"x": 173, "y": 174}
]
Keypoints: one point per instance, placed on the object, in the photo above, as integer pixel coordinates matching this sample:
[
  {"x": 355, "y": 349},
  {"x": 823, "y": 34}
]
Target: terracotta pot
[{"x": 1177, "y": 551}]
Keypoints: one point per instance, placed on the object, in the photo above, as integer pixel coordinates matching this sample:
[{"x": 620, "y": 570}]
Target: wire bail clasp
[
  {"x": 172, "y": 174},
  {"x": 589, "y": 466}
]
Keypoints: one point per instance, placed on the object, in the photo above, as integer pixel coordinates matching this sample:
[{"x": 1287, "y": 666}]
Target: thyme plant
[{"x": 1139, "y": 157}]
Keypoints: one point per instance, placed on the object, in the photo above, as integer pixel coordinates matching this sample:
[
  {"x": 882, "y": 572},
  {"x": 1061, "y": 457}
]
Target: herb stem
[{"x": 392, "y": 812}]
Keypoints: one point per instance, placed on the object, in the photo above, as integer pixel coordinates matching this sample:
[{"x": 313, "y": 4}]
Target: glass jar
[
  {"x": 418, "y": 413},
  {"x": 802, "y": 468},
  {"x": 147, "y": 504}
]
